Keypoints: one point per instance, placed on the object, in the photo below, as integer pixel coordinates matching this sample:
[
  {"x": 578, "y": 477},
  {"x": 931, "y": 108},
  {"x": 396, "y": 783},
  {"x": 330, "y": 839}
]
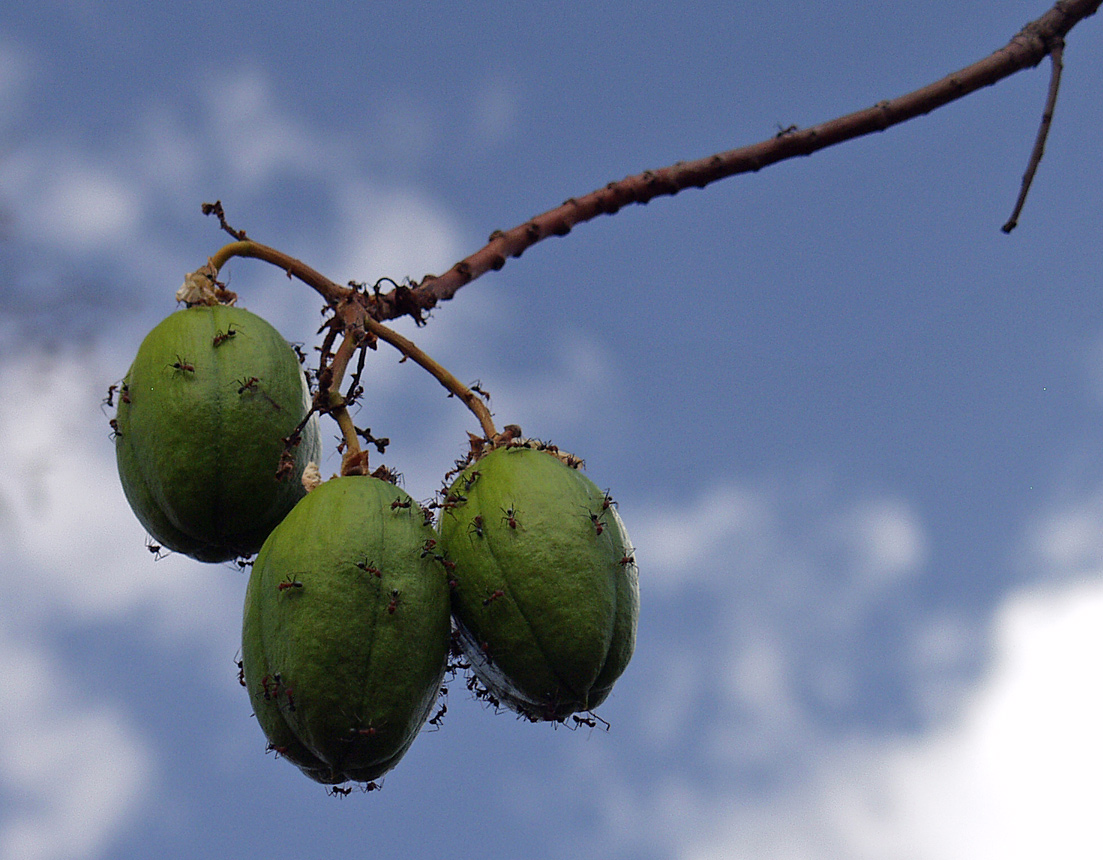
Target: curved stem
[
  {"x": 439, "y": 372},
  {"x": 331, "y": 292},
  {"x": 353, "y": 315}
]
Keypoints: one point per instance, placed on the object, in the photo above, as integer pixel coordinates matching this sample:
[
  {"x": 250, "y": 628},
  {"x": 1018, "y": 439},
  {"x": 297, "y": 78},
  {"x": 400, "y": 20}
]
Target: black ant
[
  {"x": 221, "y": 338},
  {"x": 369, "y": 568},
  {"x": 154, "y": 549},
  {"x": 494, "y": 595},
  {"x": 337, "y": 791},
  {"x": 477, "y": 387},
  {"x": 436, "y": 720}
]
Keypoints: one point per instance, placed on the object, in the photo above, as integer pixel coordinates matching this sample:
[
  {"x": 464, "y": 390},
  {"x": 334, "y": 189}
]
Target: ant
[
  {"x": 400, "y": 503},
  {"x": 393, "y": 605},
  {"x": 494, "y": 595},
  {"x": 181, "y": 365},
  {"x": 607, "y": 501},
  {"x": 510, "y": 516},
  {"x": 155, "y": 549},
  {"x": 337, "y": 791},
  {"x": 469, "y": 480},
  {"x": 477, "y": 387},
  {"x": 436, "y": 720},
  {"x": 253, "y": 384},
  {"x": 627, "y": 559},
  {"x": 290, "y": 700},
  {"x": 289, "y": 583},
  {"x": 240, "y": 671},
  {"x": 221, "y": 338},
  {"x": 115, "y": 432},
  {"x": 370, "y": 568},
  {"x": 427, "y": 547},
  {"x": 599, "y": 526},
  {"x": 476, "y": 525},
  {"x": 109, "y": 400}
]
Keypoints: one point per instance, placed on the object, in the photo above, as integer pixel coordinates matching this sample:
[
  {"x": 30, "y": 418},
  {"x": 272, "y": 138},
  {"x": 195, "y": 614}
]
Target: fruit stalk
[{"x": 352, "y": 313}]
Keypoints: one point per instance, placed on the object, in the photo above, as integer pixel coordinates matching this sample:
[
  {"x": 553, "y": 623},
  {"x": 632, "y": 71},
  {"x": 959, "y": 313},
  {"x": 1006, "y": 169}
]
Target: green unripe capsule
[
  {"x": 203, "y": 414},
  {"x": 346, "y": 630},
  {"x": 546, "y": 592}
]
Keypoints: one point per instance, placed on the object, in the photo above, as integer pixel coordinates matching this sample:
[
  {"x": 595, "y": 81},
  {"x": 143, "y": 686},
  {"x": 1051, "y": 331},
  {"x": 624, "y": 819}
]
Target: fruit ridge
[
  {"x": 200, "y": 428},
  {"x": 546, "y": 593},
  {"x": 346, "y": 630}
]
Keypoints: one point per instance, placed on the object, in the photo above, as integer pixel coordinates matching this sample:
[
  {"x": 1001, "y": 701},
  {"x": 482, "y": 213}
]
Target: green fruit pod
[
  {"x": 346, "y": 630},
  {"x": 546, "y": 588},
  {"x": 203, "y": 414}
]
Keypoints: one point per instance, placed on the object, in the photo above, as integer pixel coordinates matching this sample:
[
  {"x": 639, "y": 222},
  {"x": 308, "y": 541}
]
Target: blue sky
[{"x": 854, "y": 429}]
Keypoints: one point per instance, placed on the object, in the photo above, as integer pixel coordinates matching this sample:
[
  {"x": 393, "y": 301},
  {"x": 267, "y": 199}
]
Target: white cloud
[
  {"x": 71, "y": 779},
  {"x": 1015, "y": 775},
  {"x": 75, "y": 548},
  {"x": 391, "y": 232},
  {"x": 747, "y": 762},
  {"x": 256, "y": 139}
]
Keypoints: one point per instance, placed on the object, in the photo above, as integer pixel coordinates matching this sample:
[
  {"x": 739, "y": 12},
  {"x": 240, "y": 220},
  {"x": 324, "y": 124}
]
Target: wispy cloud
[{"x": 71, "y": 779}]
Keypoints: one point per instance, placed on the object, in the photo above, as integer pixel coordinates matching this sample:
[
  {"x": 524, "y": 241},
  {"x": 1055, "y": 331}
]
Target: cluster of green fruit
[{"x": 359, "y": 594}]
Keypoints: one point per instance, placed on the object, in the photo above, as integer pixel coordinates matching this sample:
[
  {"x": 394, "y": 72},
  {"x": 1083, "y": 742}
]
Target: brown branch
[
  {"x": 1028, "y": 48},
  {"x": 1056, "y": 59}
]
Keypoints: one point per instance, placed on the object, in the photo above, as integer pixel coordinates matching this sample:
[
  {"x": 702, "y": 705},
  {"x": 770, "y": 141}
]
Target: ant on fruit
[
  {"x": 627, "y": 559},
  {"x": 393, "y": 605},
  {"x": 494, "y": 595},
  {"x": 154, "y": 549},
  {"x": 599, "y": 525},
  {"x": 367, "y": 567},
  {"x": 115, "y": 432},
  {"x": 427, "y": 547},
  {"x": 469, "y": 480},
  {"x": 181, "y": 365},
  {"x": 510, "y": 516},
  {"x": 400, "y": 503},
  {"x": 436, "y": 719},
  {"x": 109, "y": 400},
  {"x": 476, "y": 525},
  {"x": 337, "y": 791},
  {"x": 289, "y": 583},
  {"x": 221, "y": 338},
  {"x": 607, "y": 501}
]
